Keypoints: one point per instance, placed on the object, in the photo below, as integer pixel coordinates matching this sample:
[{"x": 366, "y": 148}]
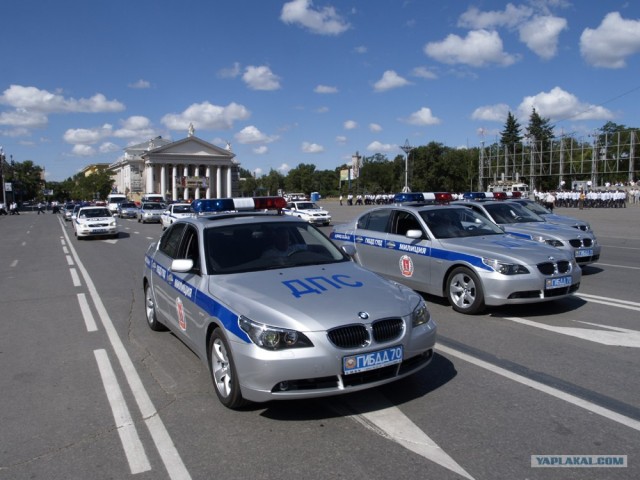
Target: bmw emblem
[{"x": 363, "y": 315}]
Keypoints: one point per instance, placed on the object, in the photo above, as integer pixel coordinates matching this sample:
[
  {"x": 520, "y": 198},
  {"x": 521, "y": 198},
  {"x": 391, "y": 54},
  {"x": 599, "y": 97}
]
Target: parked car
[
  {"x": 174, "y": 212},
  {"x": 522, "y": 222},
  {"x": 308, "y": 211},
  {"x": 551, "y": 217},
  {"x": 150, "y": 212},
  {"x": 452, "y": 252},
  {"x": 274, "y": 322},
  {"x": 127, "y": 210}
]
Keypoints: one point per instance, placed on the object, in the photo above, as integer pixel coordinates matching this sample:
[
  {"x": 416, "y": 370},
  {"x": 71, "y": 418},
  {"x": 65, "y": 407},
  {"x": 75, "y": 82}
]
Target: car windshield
[
  {"x": 509, "y": 213},
  {"x": 457, "y": 223},
  {"x": 152, "y": 206},
  {"x": 534, "y": 207},
  {"x": 94, "y": 213},
  {"x": 306, "y": 205},
  {"x": 127, "y": 205},
  {"x": 181, "y": 209},
  {"x": 264, "y": 246}
]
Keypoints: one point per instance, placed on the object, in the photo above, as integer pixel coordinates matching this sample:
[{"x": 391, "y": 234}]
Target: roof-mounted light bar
[
  {"x": 407, "y": 197},
  {"x": 474, "y": 195},
  {"x": 208, "y": 206}
]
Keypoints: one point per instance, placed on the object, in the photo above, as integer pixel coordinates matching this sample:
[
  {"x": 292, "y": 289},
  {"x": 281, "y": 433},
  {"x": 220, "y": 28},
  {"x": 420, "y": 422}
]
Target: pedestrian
[{"x": 340, "y": 199}]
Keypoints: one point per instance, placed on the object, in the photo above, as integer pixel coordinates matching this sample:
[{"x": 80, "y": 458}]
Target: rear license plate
[
  {"x": 586, "y": 252},
  {"x": 557, "y": 282},
  {"x": 372, "y": 360}
]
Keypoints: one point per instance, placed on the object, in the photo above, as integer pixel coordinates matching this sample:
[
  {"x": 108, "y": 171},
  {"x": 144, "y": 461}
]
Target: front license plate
[
  {"x": 99, "y": 230},
  {"x": 557, "y": 282},
  {"x": 586, "y": 252},
  {"x": 372, "y": 360}
]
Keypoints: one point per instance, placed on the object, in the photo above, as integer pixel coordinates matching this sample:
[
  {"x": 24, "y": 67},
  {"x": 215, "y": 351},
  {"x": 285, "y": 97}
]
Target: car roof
[{"x": 203, "y": 222}]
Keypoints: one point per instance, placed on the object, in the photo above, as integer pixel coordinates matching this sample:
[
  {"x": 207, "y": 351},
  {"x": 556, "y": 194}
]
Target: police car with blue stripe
[
  {"x": 521, "y": 222},
  {"x": 450, "y": 251},
  {"x": 175, "y": 211},
  {"x": 277, "y": 311}
]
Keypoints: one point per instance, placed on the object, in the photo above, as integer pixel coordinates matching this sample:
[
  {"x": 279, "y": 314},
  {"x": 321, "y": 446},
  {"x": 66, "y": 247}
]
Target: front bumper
[{"x": 318, "y": 372}]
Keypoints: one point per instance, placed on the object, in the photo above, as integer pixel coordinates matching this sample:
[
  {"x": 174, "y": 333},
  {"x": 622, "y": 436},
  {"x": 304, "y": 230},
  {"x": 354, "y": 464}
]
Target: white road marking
[
  {"x": 554, "y": 392},
  {"x": 138, "y": 460},
  {"x": 615, "y": 302},
  {"x": 69, "y": 260},
  {"x": 613, "y": 336},
  {"x": 89, "y": 321},
  {"x": 386, "y": 419},
  {"x": 14, "y": 263},
  {"x": 617, "y": 266},
  {"x": 75, "y": 278},
  {"x": 161, "y": 438}
]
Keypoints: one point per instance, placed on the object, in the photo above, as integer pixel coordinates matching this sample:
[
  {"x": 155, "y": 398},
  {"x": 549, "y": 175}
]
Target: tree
[
  {"x": 511, "y": 134},
  {"x": 539, "y": 129}
]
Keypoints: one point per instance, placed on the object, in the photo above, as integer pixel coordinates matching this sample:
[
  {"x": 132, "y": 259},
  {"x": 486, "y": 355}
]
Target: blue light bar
[
  {"x": 207, "y": 206},
  {"x": 473, "y": 195},
  {"x": 408, "y": 197}
]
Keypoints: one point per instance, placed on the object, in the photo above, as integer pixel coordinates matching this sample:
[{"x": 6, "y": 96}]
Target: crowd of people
[{"x": 617, "y": 198}]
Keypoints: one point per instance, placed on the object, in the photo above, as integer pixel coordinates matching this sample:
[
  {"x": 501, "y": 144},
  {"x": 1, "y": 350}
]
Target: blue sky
[{"x": 302, "y": 81}]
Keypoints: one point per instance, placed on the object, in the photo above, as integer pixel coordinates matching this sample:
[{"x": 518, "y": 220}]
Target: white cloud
[
  {"x": 378, "y": 147},
  {"x": 251, "y": 134},
  {"x": 34, "y": 99},
  {"x": 325, "y": 21},
  {"x": 422, "y": 117},
  {"x": 260, "y": 78},
  {"x": 83, "y": 150},
  {"x": 87, "y": 136},
  {"x": 374, "y": 127},
  {"x": 341, "y": 139},
  {"x": 541, "y": 35},
  {"x": 479, "y": 48},
  {"x": 512, "y": 15},
  {"x": 610, "y": 44},
  {"x": 325, "y": 89},
  {"x": 360, "y": 49},
  {"x": 140, "y": 84},
  {"x": 206, "y": 116},
  {"x": 308, "y": 147},
  {"x": 109, "y": 147},
  {"x": 491, "y": 113},
  {"x": 24, "y": 119},
  {"x": 558, "y": 104},
  {"x": 350, "y": 125},
  {"x": 389, "y": 80},
  {"x": 423, "y": 72},
  {"x": 230, "y": 72},
  {"x": 261, "y": 150},
  {"x": 284, "y": 168}
]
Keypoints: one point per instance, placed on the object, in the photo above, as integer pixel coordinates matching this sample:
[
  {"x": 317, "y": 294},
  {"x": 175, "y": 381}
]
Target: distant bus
[
  {"x": 114, "y": 199},
  {"x": 510, "y": 187}
]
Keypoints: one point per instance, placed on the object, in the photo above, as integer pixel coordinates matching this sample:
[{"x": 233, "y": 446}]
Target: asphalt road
[{"x": 88, "y": 391}]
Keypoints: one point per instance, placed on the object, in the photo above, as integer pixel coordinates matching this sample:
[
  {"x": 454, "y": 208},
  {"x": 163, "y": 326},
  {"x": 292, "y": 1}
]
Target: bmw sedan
[
  {"x": 275, "y": 310},
  {"x": 451, "y": 252},
  {"x": 522, "y": 222}
]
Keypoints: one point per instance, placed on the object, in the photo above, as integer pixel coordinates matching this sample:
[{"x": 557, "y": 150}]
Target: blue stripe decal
[
  {"x": 436, "y": 253},
  {"x": 201, "y": 299}
]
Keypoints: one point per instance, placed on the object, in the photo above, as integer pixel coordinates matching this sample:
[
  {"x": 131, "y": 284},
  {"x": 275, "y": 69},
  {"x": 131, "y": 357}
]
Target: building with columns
[{"x": 186, "y": 169}]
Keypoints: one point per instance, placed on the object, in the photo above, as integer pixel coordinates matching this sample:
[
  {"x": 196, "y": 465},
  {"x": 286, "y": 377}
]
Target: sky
[{"x": 306, "y": 81}]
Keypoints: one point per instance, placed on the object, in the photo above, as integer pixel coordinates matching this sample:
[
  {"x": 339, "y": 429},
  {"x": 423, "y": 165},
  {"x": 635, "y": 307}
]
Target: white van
[{"x": 113, "y": 200}]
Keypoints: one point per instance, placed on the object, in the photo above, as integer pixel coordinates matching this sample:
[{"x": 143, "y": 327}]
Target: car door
[
  {"x": 409, "y": 259},
  {"x": 370, "y": 240},
  {"x": 165, "y": 294}
]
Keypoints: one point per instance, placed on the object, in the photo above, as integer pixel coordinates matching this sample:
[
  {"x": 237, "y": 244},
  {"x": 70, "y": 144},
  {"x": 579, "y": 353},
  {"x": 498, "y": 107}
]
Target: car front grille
[
  {"x": 358, "y": 336},
  {"x": 581, "y": 242},
  {"x": 549, "y": 268}
]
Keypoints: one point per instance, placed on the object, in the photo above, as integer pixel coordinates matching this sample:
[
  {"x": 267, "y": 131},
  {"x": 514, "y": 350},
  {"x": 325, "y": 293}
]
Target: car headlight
[
  {"x": 273, "y": 338},
  {"x": 420, "y": 314},
  {"x": 548, "y": 241},
  {"x": 505, "y": 268}
]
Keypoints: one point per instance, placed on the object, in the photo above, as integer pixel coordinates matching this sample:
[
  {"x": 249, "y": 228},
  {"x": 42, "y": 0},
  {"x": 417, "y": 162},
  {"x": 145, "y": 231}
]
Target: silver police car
[
  {"x": 275, "y": 310},
  {"x": 522, "y": 222},
  {"x": 452, "y": 252},
  {"x": 551, "y": 217}
]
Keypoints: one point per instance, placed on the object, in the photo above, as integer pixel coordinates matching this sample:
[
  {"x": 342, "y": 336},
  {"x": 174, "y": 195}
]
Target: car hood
[
  {"x": 561, "y": 219},
  {"x": 561, "y": 232},
  {"x": 314, "y": 298},
  {"x": 504, "y": 248}
]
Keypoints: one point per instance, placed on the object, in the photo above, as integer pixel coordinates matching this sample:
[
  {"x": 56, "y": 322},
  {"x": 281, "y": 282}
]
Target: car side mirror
[
  {"x": 414, "y": 233},
  {"x": 349, "y": 250},
  {"x": 182, "y": 265}
]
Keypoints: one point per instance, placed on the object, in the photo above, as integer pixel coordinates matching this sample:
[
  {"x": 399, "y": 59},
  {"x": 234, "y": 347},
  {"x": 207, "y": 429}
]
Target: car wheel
[
  {"x": 464, "y": 291},
  {"x": 138, "y": 220},
  {"x": 223, "y": 372},
  {"x": 150, "y": 311}
]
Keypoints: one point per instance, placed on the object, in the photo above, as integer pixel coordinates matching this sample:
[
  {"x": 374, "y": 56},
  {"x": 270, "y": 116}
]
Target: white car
[
  {"x": 174, "y": 212},
  {"x": 95, "y": 222},
  {"x": 308, "y": 211}
]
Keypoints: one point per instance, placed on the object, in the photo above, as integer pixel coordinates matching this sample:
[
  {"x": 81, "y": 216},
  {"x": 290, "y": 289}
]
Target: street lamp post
[
  {"x": 4, "y": 193},
  {"x": 407, "y": 149}
]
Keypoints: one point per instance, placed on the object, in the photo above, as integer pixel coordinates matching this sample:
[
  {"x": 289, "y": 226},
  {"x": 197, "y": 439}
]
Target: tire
[
  {"x": 464, "y": 291},
  {"x": 138, "y": 220},
  {"x": 150, "y": 311},
  {"x": 223, "y": 372}
]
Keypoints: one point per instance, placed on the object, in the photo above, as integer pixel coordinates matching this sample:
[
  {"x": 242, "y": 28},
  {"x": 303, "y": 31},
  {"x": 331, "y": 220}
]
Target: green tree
[{"x": 511, "y": 134}]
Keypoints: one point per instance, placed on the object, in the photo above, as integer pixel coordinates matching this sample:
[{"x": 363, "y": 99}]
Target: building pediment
[{"x": 190, "y": 147}]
